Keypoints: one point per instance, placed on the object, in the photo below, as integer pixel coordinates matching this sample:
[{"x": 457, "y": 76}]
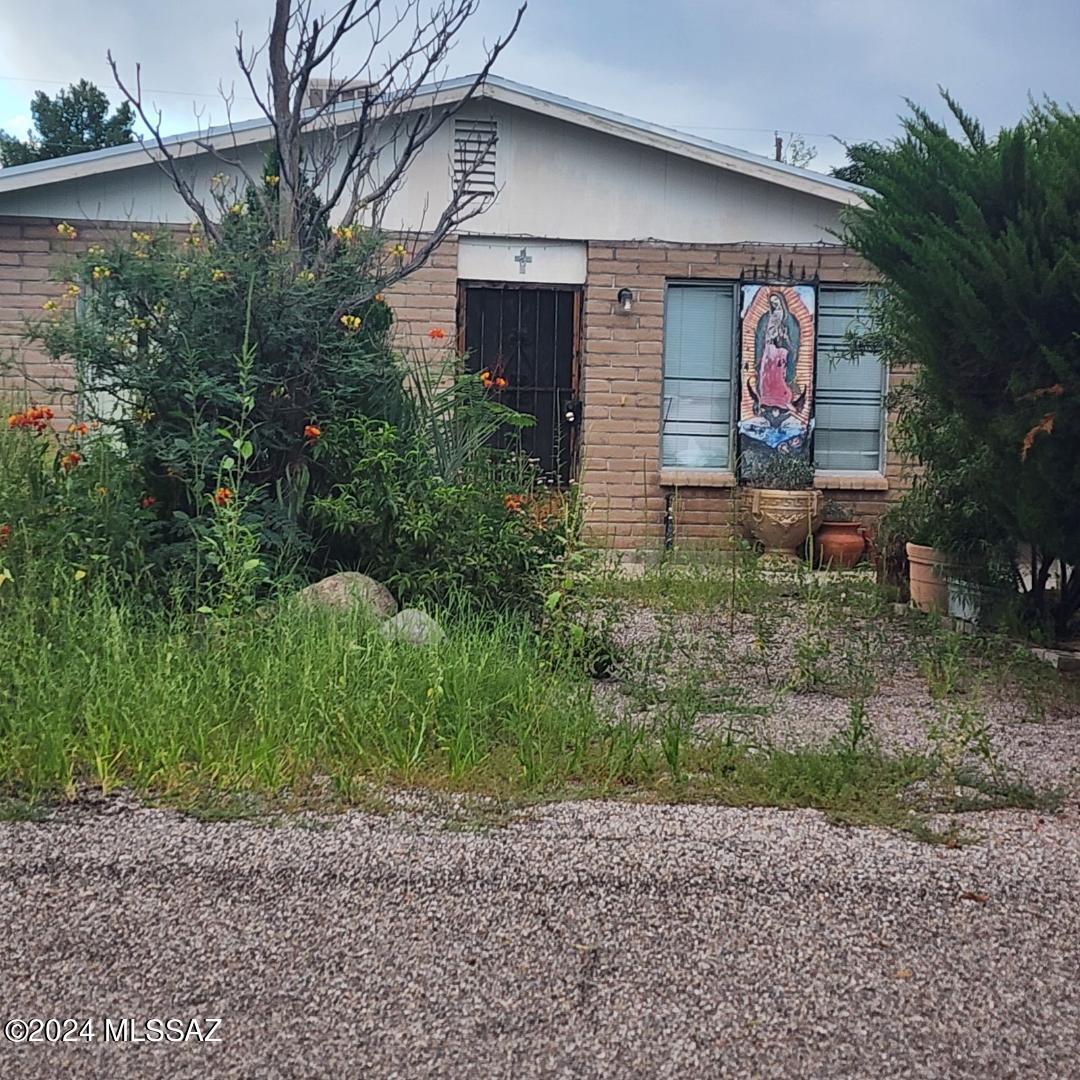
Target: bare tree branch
[
  {"x": 342, "y": 158},
  {"x": 167, "y": 161}
]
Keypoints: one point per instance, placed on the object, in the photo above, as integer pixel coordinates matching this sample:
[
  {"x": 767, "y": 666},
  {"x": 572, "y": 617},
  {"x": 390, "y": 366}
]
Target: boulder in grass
[
  {"x": 414, "y": 627},
  {"x": 349, "y": 591}
]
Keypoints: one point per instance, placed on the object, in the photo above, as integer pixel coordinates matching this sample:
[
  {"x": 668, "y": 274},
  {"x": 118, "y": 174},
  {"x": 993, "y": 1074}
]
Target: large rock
[
  {"x": 414, "y": 627},
  {"x": 348, "y": 591}
]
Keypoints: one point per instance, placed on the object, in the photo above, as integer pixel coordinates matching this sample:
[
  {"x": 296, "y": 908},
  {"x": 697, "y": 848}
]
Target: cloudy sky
[{"x": 726, "y": 70}]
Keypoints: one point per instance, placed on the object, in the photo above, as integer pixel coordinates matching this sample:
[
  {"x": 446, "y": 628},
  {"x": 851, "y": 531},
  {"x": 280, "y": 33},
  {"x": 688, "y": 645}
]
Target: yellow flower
[
  {"x": 194, "y": 240},
  {"x": 398, "y": 250},
  {"x": 142, "y": 237},
  {"x": 95, "y": 251},
  {"x": 236, "y": 209},
  {"x": 68, "y": 232},
  {"x": 218, "y": 275},
  {"x": 144, "y": 416},
  {"x": 103, "y": 491},
  {"x": 306, "y": 276},
  {"x": 273, "y": 181},
  {"x": 99, "y": 273},
  {"x": 378, "y": 298},
  {"x": 73, "y": 290},
  {"x": 344, "y": 232},
  {"x": 50, "y": 305},
  {"x": 184, "y": 273},
  {"x": 138, "y": 323},
  {"x": 351, "y": 322}
]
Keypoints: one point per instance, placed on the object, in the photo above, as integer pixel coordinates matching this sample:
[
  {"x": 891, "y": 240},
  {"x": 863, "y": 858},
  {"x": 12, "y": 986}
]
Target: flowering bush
[
  {"x": 163, "y": 318},
  {"x": 270, "y": 430},
  {"x": 67, "y": 501}
]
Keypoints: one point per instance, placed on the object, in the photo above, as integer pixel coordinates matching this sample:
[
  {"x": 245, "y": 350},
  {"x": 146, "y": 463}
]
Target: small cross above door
[{"x": 523, "y": 258}]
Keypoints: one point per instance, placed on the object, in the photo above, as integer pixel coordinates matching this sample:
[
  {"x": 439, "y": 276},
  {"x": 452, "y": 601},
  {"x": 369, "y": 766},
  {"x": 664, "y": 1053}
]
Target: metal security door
[{"x": 528, "y": 337}]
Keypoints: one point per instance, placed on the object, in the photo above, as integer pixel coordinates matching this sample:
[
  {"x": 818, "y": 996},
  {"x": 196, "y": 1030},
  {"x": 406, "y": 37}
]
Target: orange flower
[
  {"x": 501, "y": 383},
  {"x": 436, "y": 333},
  {"x": 70, "y": 461},
  {"x": 147, "y": 502},
  {"x": 514, "y": 503},
  {"x": 311, "y": 433},
  {"x": 486, "y": 380},
  {"x": 5, "y": 532},
  {"x": 223, "y": 496},
  {"x": 78, "y": 429},
  {"x": 36, "y": 418}
]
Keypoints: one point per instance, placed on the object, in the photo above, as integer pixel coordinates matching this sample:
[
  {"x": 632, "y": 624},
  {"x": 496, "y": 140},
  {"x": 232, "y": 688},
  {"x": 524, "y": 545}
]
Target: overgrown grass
[
  {"x": 98, "y": 691},
  {"x": 251, "y": 715}
]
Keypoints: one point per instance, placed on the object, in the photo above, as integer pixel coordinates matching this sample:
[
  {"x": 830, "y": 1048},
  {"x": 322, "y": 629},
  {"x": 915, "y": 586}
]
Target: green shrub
[
  {"x": 787, "y": 472},
  {"x": 161, "y": 324},
  {"x": 73, "y": 502},
  {"x": 268, "y": 431},
  {"x": 480, "y": 539}
]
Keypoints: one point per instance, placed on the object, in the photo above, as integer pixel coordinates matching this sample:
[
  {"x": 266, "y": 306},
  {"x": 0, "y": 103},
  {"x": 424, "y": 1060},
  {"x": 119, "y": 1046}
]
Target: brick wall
[
  {"x": 426, "y": 300},
  {"x": 29, "y": 247},
  {"x": 622, "y": 383}
]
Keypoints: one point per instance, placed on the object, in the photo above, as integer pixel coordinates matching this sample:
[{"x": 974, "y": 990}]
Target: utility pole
[{"x": 779, "y": 146}]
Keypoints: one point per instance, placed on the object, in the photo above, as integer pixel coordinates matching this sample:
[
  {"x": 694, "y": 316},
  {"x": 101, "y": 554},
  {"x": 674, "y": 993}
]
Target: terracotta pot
[
  {"x": 840, "y": 544},
  {"x": 929, "y": 572},
  {"x": 782, "y": 520}
]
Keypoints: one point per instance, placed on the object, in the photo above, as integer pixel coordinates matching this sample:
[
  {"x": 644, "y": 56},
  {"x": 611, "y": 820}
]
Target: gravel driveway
[{"x": 581, "y": 940}]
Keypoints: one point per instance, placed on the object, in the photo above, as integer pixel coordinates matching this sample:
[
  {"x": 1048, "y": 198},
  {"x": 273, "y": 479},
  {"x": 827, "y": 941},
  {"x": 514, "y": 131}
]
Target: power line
[{"x": 148, "y": 89}]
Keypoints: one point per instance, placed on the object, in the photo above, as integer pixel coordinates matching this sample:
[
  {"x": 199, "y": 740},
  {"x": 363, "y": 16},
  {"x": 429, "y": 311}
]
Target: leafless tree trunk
[{"x": 342, "y": 160}]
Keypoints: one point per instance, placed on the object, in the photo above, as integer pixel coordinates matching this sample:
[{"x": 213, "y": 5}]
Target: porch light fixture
[{"x": 626, "y": 300}]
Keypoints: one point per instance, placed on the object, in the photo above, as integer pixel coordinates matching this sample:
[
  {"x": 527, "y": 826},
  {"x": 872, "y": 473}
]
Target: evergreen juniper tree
[{"x": 977, "y": 239}]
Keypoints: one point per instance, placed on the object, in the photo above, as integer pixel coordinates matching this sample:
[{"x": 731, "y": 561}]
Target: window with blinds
[
  {"x": 474, "y": 156},
  {"x": 699, "y": 353},
  {"x": 850, "y": 394}
]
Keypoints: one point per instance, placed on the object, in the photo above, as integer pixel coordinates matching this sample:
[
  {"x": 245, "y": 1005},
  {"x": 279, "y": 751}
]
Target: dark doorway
[{"x": 529, "y": 337}]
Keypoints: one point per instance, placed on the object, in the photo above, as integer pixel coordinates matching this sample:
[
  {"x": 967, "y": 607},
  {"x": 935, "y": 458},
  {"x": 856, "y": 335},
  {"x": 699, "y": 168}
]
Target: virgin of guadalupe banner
[{"x": 777, "y": 360}]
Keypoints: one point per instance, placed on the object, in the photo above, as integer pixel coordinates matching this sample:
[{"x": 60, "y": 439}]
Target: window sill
[
  {"x": 724, "y": 478},
  {"x": 851, "y": 481},
  {"x": 717, "y": 478}
]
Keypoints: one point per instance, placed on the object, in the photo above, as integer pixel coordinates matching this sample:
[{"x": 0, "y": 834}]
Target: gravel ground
[
  {"x": 1034, "y": 726},
  {"x": 582, "y": 940}
]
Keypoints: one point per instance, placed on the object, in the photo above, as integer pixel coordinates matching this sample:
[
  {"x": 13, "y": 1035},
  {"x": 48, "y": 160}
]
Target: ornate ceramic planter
[{"x": 782, "y": 520}]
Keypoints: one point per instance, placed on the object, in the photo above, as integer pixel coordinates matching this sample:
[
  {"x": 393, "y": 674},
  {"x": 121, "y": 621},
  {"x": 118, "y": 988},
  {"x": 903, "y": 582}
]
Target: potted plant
[
  {"x": 840, "y": 542},
  {"x": 784, "y": 507},
  {"x": 911, "y": 526}
]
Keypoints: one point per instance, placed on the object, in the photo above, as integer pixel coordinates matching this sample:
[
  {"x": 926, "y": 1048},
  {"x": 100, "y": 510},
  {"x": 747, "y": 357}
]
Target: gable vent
[{"x": 474, "y": 156}]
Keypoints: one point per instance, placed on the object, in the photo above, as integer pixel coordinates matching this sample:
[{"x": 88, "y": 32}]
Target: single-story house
[{"x": 664, "y": 305}]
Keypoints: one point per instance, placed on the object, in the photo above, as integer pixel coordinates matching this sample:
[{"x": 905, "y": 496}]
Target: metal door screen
[{"x": 528, "y": 336}]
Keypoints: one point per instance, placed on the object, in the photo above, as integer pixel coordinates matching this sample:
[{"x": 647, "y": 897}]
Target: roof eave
[
  {"x": 495, "y": 88},
  {"x": 189, "y": 144}
]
